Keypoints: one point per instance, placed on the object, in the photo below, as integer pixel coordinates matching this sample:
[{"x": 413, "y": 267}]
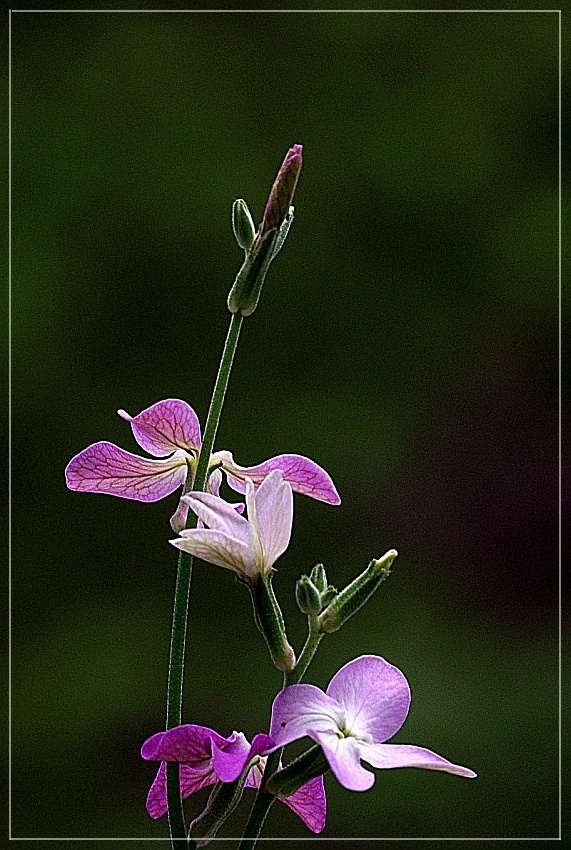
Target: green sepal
[
  {"x": 270, "y": 621},
  {"x": 222, "y": 801},
  {"x": 354, "y": 596},
  {"x": 243, "y": 224},
  {"x": 246, "y": 289},
  {"x": 307, "y": 596},
  {"x": 307, "y": 766}
]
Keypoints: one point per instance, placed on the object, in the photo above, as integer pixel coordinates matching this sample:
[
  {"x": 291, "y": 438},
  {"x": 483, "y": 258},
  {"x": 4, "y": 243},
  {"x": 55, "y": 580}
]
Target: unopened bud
[
  {"x": 307, "y": 596},
  {"x": 242, "y": 224},
  {"x": 354, "y": 596},
  {"x": 319, "y": 577},
  {"x": 270, "y": 621},
  {"x": 277, "y": 219},
  {"x": 282, "y": 191}
]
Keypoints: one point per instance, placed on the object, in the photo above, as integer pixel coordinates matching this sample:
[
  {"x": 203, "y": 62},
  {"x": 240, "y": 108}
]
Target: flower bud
[
  {"x": 282, "y": 191},
  {"x": 319, "y": 577},
  {"x": 242, "y": 224},
  {"x": 354, "y": 596},
  {"x": 307, "y": 596},
  {"x": 277, "y": 219},
  {"x": 270, "y": 621}
]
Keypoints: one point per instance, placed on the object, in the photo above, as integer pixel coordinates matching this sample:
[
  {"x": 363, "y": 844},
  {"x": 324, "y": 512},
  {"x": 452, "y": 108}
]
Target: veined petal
[
  {"x": 407, "y": 755},
  {"x": 217, "y": 548},
  {"x": 230, "y": 760},
  {"x": 218, "y": 514},
  {"x": 165, "y": 426},
  {"x": 190, "y": 781},
  {"x": 343, "y": 755},
  {"x": 105, "y": 468},
  {"x": 304, "y": 475},
  {"x": 374, "y": 694},
  {"x": 301, "y": 710},
  {"x": 188, "y": 743},
  {"x": 309, "y": 803},
  {"x": 274, "y": 511}
]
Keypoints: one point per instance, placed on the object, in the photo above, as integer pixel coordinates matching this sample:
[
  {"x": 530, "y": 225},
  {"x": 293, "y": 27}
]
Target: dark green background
[{"x": 407, "y": 340}]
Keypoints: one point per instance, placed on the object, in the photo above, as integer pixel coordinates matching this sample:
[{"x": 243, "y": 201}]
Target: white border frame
[{"x": 268, "y": 11}]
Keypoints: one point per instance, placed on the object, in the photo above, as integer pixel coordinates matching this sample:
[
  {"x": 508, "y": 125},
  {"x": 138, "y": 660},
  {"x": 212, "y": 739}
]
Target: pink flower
[
  {"x": 170, "y": 431},
  {"x": 365, "y": 704},
  {"x": 205, "y": 757},
  {"x": 249, "y": 547}
]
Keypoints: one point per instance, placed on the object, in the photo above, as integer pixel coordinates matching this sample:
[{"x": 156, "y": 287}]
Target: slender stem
[
  {"x": 264, "y": 800},
  {"x": 182, "y": 590},
  {"x": 313, "y": 640}
]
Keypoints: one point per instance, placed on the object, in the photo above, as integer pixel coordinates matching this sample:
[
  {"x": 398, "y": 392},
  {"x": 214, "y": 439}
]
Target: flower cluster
[{"x": 367, "y": 700}]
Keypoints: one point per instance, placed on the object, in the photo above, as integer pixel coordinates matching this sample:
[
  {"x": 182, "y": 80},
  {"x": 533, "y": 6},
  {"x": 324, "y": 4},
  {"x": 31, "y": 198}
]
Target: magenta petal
[
  {"x": 374, "y": 694},
  {"x": 303, "y": 475},
  {"x": 190, "y": 782},
  {"x": 165, "y": 426},
  {"x": 309, "y": 803},
  {"x": 189, "y": 744},
  {"x": 230, "y": 759},
  {"x": 105, "y": 468}
]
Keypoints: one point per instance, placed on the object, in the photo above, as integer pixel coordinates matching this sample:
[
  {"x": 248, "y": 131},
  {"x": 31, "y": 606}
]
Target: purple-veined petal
[
  {"x": 190, "y": 781},
  {"x": 218, "y": 514},
  {"x": 189, "y": 743},
  {"x": 230, "y": 759},
  {"x": 375, "y": 697},
  {"x": 274, "y": 512},
  {"x": 343, "y": 755},
  {"x": 165, "y": 426},
  {"x": 217, "y": 548},
  {"x": 309, "y": 803},
  {"x": 105, "y": 468},
  {"x": 301, "y": 710},
  {"x": 304, "y": 475},
  {"x": 408, "y": 755}
]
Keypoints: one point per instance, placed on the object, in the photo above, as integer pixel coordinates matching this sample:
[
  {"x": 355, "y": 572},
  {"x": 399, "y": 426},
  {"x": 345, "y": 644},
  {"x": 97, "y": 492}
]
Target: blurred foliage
[{"x": 406, "y": 340}]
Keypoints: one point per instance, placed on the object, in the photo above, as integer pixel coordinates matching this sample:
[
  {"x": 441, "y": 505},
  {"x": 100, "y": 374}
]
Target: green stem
[
  {"x": 313, "y": 640},
  {"x": 264, "y": 800},
  {"x": 177, "y": 826}
]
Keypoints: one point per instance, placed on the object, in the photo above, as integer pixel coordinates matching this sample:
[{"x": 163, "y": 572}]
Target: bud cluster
[{"x": 312, "y": 592}]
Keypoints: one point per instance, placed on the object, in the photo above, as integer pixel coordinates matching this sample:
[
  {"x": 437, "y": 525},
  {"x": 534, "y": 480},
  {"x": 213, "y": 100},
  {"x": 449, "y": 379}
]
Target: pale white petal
[
  {"x": 217, "y": 548},
  {"x": 274, "y": 510}
]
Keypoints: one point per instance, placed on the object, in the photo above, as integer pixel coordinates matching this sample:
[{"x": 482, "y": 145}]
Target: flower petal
[
  {"x": 190, "y": 782},
  {"x": 309, "y": 803},
  {"x": 301, "y": 710},
  {"x": 105, "y": 468},
  {"x": 217, "y": 548},
  {"x": 274, "y": 511},
  {"x": 304, "y": 475},
  {"x": 374, "y": 694},
  {"x": 407, "y": 755},
  {"x": 230, "y": 759},
  {"x": 343, "y": 755},
  {"x": 218, "y": 514},
  {"x": 165, "y": 426},
  {"x": 189, "y": 743}
]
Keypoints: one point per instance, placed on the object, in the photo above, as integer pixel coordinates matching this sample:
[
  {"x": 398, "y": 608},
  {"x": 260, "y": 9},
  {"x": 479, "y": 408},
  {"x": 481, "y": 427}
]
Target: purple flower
[
  {"x": 366, "y": 702},
  {"x": 205, "y": 757},
  {"x": 249, "y": 547},
  {"x": 170, "y": 431}
]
